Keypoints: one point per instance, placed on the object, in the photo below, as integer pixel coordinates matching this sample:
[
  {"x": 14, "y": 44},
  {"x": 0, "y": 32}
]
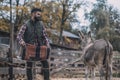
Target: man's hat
[{"x": 36, "y": 9}]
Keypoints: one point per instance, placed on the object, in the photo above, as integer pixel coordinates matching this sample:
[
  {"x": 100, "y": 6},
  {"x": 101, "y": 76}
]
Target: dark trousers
[{"x": 45, "y": 70}]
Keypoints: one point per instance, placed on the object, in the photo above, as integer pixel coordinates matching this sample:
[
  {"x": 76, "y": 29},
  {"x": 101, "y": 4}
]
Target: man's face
[{"x": 37, "y": 16}]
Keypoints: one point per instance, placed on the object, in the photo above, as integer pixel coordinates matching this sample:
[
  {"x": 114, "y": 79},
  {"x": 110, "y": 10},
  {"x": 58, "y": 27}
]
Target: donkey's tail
[
  {"x": 107, "y": 53},
  {"x": 106, "y": 58}
]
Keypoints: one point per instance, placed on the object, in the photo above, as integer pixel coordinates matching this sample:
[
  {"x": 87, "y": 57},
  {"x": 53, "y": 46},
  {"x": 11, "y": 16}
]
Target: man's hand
[
  {"x": 48, "y": 45},
  {"x": 22, "y": 43}
]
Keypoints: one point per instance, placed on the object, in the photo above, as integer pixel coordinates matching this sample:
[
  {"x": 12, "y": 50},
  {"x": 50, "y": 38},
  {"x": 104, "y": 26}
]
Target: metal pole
[{"x": 10, "y": 56}]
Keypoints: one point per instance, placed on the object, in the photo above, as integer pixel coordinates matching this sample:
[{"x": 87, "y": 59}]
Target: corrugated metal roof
[
  {"x": 69, "y": 34},
  {"x": 65, "y": 33}
]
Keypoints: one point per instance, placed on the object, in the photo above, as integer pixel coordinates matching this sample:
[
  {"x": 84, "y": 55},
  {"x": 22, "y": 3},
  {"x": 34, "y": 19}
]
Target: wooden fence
[{"x": 62, "y": 64}]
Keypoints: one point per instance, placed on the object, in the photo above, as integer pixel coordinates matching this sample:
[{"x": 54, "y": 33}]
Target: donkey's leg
[
  {"x": 93, "y": 73},
  {"x": 101, "y": 71},
  {"x": 86, "y": 72},
  {"x": 109, "y": 72},
  {"x": 110, "y": 67}
]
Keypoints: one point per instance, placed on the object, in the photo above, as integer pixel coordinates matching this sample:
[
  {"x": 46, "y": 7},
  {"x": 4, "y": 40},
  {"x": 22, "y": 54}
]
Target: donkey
[{"x": 99, "y": 54}]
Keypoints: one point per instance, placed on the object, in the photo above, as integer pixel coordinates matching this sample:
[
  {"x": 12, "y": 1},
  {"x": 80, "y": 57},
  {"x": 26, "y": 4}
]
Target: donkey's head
[{"x": 85, "y": 39}]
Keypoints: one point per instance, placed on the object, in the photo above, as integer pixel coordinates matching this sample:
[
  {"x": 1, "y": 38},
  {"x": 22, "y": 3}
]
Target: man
[{"x": 33, "y": 32}]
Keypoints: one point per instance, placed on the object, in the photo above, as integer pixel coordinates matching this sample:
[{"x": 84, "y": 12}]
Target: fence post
[{"x": 10, "y": 56}]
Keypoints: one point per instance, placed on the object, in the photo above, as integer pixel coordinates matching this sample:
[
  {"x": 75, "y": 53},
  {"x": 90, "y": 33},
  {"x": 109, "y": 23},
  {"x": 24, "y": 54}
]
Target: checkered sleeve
[
  {"x": 45, "y": 36},
  {"x": 21, "y": 33}
]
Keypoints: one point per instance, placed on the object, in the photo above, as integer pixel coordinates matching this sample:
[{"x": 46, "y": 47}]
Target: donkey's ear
[
  {"x": 89, "y": 33},
  {"x": 81, "y": 35}
]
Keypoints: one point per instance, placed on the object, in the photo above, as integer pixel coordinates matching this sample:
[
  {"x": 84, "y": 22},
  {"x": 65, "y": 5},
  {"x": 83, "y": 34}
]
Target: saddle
[{"x": 33, "y": 53}]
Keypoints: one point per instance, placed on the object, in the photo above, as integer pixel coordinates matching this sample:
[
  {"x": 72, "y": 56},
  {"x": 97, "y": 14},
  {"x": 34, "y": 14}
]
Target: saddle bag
[{"x": 32, "y": 53}]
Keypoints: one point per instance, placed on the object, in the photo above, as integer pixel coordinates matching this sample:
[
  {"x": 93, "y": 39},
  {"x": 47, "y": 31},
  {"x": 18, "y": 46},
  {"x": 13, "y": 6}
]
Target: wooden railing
[{"x": 61, "y": 63}]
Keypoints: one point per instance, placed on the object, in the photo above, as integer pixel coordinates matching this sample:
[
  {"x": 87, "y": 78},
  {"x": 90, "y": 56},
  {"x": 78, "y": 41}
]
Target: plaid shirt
[{"x": 22, "y": 31}]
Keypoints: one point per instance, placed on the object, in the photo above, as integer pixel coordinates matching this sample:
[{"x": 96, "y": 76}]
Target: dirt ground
[
  {"x": 78, "y": 79},
  {"x": 39, "y": 77}
]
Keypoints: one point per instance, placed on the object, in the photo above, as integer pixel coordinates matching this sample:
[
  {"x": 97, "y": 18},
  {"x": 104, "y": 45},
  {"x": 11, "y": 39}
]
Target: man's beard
[{"x": 37, "y": 18}]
